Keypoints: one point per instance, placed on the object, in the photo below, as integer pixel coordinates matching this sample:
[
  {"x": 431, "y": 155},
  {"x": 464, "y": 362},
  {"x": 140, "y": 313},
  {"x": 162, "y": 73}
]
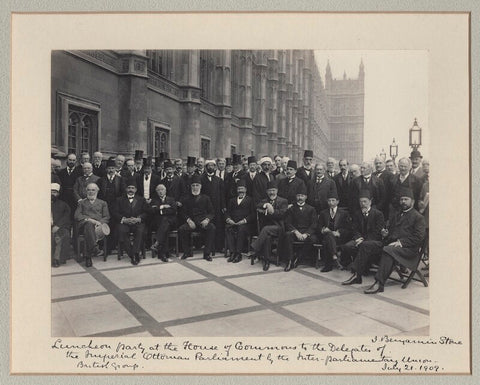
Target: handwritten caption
[{"x": 383, "y": 354}]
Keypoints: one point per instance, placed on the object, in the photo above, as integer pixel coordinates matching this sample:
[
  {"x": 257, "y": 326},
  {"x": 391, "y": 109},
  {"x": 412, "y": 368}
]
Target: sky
[{"x": 396, "y": 92}]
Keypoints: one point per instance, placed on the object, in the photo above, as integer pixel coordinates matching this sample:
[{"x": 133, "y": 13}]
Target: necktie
[
  {"x": 332, "y": 213},
  {"x": 146, "y": 177}
]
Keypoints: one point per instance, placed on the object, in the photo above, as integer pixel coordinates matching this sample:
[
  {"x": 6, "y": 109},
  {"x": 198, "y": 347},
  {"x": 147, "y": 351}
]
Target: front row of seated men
[{"x": 354, "y": 242}]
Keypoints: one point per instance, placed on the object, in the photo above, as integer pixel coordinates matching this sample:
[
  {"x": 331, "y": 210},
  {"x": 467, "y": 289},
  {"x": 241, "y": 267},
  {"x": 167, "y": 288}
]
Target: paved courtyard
[{"x": 199, "y": 298}]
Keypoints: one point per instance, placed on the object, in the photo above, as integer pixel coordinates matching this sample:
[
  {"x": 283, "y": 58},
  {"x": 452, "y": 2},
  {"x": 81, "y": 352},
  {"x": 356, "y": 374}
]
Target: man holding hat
[
  {"x": 271, "y": 212},
  {"x": 416, "y": 158},
  {"x": 319, "y": 188},
  {"x": 232, "y": 178},
  {"x": 240, "y": 214},
  {"x": 60, "y": 227},
  {"x": 261, "y": 180},
  {"x": 366, "y": 244},
  {"x": 335, "y": 229},
  {"x": 305, "y": 172},
  {"x": 130, "y": 212},
  {"x": 91, "y": 213},
  {"x": 290, "y": 186},
  {"x": 300, "y": 226},
  {"x": 404, "y": 236},
  {"x": 198, "y": 213}
]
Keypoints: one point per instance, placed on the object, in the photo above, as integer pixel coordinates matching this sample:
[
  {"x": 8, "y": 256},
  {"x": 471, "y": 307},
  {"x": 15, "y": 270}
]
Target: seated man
[
  {"x": 404, "y": 237},
  {"x": 164, "y": 211},
  {"x": 130, "y": 212},
  {"x": 91, "y": 213},
  {"x": 271, "y": 213},
  {"x": 198, "y": 214},
  {"x": 300, "y": 223},
  {"x": 240, "y": 214},
  {"x": 60, "y": 227},
  {"x": 367, "y": 239},
  {"x": 335, "y": 229}
]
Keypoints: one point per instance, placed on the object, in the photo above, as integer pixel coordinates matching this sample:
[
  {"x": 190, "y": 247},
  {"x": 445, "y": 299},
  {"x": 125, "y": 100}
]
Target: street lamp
[
  {"x": 415, "y": 138},
  {"x": 393, "y": 150},
  {"x": 383, "y": 155}
]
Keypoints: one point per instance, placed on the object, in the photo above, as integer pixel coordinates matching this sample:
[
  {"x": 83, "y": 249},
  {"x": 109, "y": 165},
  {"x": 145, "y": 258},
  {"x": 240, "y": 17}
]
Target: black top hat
[
  {"x": 228, "y": 161},
  {"x": 406, "y": 192},
  {"x": 167, "y": 164},
  {"x": 302, "y": 189},
  {"x": 191, "y": 161},
  {"x": 292, "y": 164},
  {"x": 131, "y": 181},
  {"x": 237, "y": 159},
  {"x": 415, "y": 154},
  {"x": 272, "y": 184},
  {"x": 333, "y": 194},
  {"x": 308, "y": 154},
  {"x": 163, "y": 156},
  {"x": 111, "y": 163},
  {"x": 252, "y": 159},
  {"x": 138, "y": 154},
  {"x": 196, "y": 179},
  {"x": 365, "y": 194},
  {"x": 241, "y": 183}
]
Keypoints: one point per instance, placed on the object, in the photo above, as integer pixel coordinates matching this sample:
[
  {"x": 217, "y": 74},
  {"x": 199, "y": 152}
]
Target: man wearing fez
[
  {"x": 261, "y": 180},
  {"x": 98, "y": 165},
  {"x": 212, "y": 186},
  {"x": 300, "y": 226},
  {"x": 198, "y": 214},
  {"x": 173, "y": 183},
  {"x": 130, "y": 212},
  {"x": 404, "y": 179},
  {"x": 148, "y": 182},
  {"x": 251, "y": 174},
  {"x": 138, "y": 161},
  {"x": 319, "y": 188},
  {"x": 335, "y": 229},
  {"x": 68, "y": 176},
  {"x": 60, "y": 227},
  {"x": 289, "y": 187},
  {"x": 366, "y": 244},
  {"x": 368, "y": 181},
  {"x": 80, "y": 186},
  {"x": 404, "y": 236},
  {"x": 232, "y": 178},
  {"x": 271, "y": 212},
  {"x": 220, "y": 172},
  {"x": 343, "y": 181},
  {"x": 91, "y": 213},
  {"x": 305, "y": 172},
  {"x": 416, "y": 158},
  {"x": 164, "y": 210},
  {"x": 240, "y": 214}
]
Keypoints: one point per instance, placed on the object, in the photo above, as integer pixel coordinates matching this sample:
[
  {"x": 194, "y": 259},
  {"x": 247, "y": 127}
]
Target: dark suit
[
  {"x": 154, "y": 182},
  {"x": 213, "y": 187},
  {"x": 271, "y": 225},
  {"x": 230, "y": 181},
  {"x": 288, "y": 188},
  {"x": 109, "y": 192},
  {"x": 408, "y": 228},
  {"x": 127, "y": 174},
  {"x": 319, "y": 191},
  {"x": 376, "y": 188},
  {"x": 387, "y": 178},
  {"x": 55, "y": 179},
  {"x": 67, "y": 181},
  {"x": 302, "y": 174},
  {"x": 369, "y": 228},
  {"x": 99, "y": 171},
  {"x": 344, "y": 190},
  {"x": 303, "y": 219},
  {"x": 122, "y": 208},
  {"x": 80, "y": 186},
  {"x": 260, "y": 186},
  {"x": 61, "y": 239},
  {"x": 342, "y": 223},
  {"x": 411, "y": 182},
  {"x": 249, "y": 182},
  {"x": 164, "y": 220},
  {"x": 175, "y": 187},
  {"x": 237, "y": 235},
  {"x": 197, "y": 208}
]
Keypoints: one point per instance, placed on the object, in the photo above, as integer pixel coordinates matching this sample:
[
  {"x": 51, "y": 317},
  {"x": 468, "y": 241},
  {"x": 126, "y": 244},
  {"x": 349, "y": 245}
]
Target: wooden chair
[
  {"x": 171, "y": 235},
  {"x": 131, "y": 236},
  {"x": 81, "y": 247}
]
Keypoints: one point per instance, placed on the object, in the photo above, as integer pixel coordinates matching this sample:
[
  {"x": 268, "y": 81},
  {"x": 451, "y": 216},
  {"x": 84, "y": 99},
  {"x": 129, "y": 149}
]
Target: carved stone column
[{"x": 223, "y": 99}]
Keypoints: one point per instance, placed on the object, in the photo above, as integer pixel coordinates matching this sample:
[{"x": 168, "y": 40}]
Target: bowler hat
[{"x": 415, "y": 154}]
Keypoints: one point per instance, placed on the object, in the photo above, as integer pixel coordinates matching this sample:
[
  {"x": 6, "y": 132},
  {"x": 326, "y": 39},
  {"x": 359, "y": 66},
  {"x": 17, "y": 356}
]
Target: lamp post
[
  {"x": 383, "y": 155},
  {"x": 393, "y": 150},
  {"x": 415, "y": 137}
]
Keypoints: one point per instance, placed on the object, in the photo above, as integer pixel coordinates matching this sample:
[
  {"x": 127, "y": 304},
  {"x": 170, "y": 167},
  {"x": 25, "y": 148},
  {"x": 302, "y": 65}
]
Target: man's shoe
[
  {"x": 355, "y": 278},
  {"x": 132, "y": 261},
  {"x": 207, "y": 257},
  {"x": 63, "y": 262},
  {"x": 186, "y": 255},
  {"x": 289, "y": 266},
  {"x": 238, "y": 258},
  {"x": 295, "y": 263},
  {"x": 162, "y": 258},
  {"x": 231, "y": 258},
  {"x": 88, "y": 262},
  {"x": 326, "y": 268},
  {"x": 55, "y": 263},
  {"x": 266, "y": 264},
  {"x": 228, "y": 254},
  {"x": 377, "y": 287},
  {"x": 137, "y": 258}
]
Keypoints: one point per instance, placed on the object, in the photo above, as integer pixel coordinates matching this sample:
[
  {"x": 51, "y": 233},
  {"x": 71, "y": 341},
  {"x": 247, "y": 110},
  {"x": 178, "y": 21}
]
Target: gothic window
[
  {"x": 162, "y": 141},
  {"x": 205, "y": 148},
  {"x": 81, "y": 131}
]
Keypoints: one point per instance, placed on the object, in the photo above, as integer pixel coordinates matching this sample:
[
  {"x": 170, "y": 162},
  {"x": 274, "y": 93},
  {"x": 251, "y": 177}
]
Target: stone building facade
[{"x": 209, "y": 103}]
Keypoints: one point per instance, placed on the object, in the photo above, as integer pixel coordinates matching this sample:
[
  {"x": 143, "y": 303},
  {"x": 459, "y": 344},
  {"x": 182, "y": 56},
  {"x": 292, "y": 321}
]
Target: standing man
[
  {"x": 98, "y": 166},
  {"x": 335, "y": 230},
  {"x": 198, "y": 214},
  {"x": 174, "y": 184},
  {"x": 129, "y": 171},
  {"x": 200, "y": 166},
  {"x": 300, "y": 226},
  {"x": 80, "y": 186},
  {"x": 60, "y": 227},
  {"x": 68, "y": 176},
  {"x": 368, "y": 181},
  {"x": 240, "y": 214},
  {"x": 319, "y": 188},
  {"x": 306, "y": 171},
  {"x": 130, "y": 212},
  {"x": 119, "y": 163},
  {"x": 138, "y": 161},
  {"x": 220, "y": 172},
  {"x": 84, "y": 158},
  {"x": 343, "y": 181},
  {"x": 404, "y": 179},
  {"x": 229, "y": 166},
  {"x": 232, "y": 179},
  {"x": 271, "y": 212},
  {"x": 261, "y": 180},
  {"x": 387, "y": 178},
  {"x": 278, "y": 166},
  {"x": 179, "y": 167},
  {"x": 366, "y": 244},
  {"x": 148, "y": 182},
  {"x": 187, "y": 177},
  {"x": 355, "y": 170},
  {"x": 390, "y": 166},
  {"x": 290, "y": 186},
  {"x": 53, "y": 175},
  {"x": 90, "y": 214},
  {"x": 251, "y": 174},
  {"x": 330, "y": 168},
  {"x": 404, "y": 236},
  {"x": 416, "y": 159},
  {"x": 164, "y": 211}
]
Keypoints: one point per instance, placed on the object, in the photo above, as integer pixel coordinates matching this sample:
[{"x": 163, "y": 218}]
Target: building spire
[
  {"x": 344, "y": 75},
  {"x": 328, "y": 76},
  {"x": 361, "y": 70}
]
